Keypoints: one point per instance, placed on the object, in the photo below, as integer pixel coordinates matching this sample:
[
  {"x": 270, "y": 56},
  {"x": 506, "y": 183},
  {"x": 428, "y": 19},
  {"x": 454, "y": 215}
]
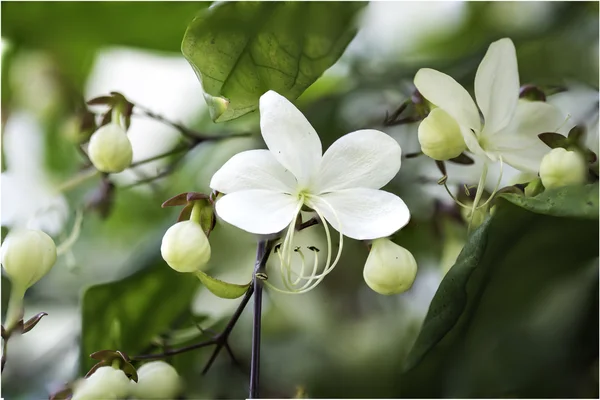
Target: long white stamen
[
  {"x": 497, "y": 185},
  {"x": 285, "y": 255}
]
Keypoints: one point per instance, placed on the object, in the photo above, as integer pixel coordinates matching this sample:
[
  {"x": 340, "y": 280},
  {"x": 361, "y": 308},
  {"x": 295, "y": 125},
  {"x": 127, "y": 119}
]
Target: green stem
[
  {"x": 15, "y": 308},
  {"x": 196, "y": 214},
  {"x": 77, "y": 180}
]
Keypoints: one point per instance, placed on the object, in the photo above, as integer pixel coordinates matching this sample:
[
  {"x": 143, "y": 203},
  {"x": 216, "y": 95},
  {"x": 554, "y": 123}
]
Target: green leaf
[
  {"x": 127, "y": 314},
  {"x": 568, "y": 201},
  {"x": 240, "y": 50},
  {"x": 509, "y": 316},
  {"x": 221, "y": 288}
]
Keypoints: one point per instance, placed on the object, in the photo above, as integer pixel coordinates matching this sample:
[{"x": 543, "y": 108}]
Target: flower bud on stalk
[
  {"x": 110, "y": 149},
  {"x": 440, "y": 136},
  {"x": 390, "y": 268},
  {"x": 105, "y": 383},
  {"x": 185, "y": 246},
  {"x": 27, "y": 255},
  {"x": 562, "y": 167},
  {"x": 156, "y": 380}
]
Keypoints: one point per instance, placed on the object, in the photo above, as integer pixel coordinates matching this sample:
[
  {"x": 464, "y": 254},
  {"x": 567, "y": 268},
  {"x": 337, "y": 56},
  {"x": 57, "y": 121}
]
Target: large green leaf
[
  {"x": 240, "y": 50},
  {"x": 127, "y": 314},
  {"x": 517, "y": 315}
]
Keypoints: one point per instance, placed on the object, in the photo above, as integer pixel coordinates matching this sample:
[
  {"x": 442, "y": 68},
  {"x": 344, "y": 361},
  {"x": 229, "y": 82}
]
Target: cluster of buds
[
  {"x": 390, "y": 268},
  {"x": 27, "y": 255}
]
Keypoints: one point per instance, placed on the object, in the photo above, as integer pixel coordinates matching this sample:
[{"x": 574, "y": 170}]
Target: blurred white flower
[
  {"x": 266, "y": 189},
  {"x": 29, "y": 199}
]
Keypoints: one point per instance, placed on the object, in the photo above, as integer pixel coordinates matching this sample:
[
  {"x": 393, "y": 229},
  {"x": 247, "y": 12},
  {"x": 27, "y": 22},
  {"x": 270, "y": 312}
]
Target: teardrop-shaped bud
[
  {"x": 185, "y": 247},
  {"x": 440, "y": 136},
  {"x": 562, "y": 167},
  {"x": 157, "y": 380},
  {"x": 390, "y": 268},
  {"x": 27, "y": 255},
  {"x": 110, "y": 149}
]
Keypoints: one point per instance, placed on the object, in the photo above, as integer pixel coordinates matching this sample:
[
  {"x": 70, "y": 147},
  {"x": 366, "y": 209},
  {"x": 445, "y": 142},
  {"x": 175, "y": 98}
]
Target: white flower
[
  {"x": 157, "y": 380},
  {"x": 510, "y": 126},
  {"x": 110, "y": 149},
  {"x": 28, "y": 197},
  {"x": 561, "y": 167},
  {"x": 390, "y": 268},
  {"x": 185, "y": 247},
  {"x": 266, "y": 189}
]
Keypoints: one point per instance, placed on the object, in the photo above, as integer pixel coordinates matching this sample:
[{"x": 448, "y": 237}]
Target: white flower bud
[
  {"x": 157, "y": 380},
  {"x": 185, "y": 247},
  {"x": 440, "y": 136},
  {"x": 561, "y": 167},
  {"x": 104, "y": 383},
  {"x": 27, "y": 255},
  {"x": 390, "y": 268},
  {"x": 110, "y": 149}
]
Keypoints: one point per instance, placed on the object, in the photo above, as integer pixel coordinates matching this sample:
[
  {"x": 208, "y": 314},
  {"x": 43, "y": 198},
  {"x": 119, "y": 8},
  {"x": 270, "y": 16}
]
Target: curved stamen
[
  {"x": 497, "y": 184},
  {"x": 285, "y": 255}
]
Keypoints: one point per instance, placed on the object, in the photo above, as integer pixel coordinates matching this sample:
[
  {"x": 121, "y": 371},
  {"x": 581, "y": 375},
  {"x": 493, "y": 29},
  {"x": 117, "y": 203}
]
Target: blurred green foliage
[{"x": 128, "y": 314}]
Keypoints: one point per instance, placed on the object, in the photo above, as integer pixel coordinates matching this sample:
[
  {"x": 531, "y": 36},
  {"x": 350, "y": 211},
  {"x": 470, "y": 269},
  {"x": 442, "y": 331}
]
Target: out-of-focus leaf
[
  {"x": 52, "y": 26},
  {"x": 240, "y": 50},
  {"x": 517, "y": 315},
  {"x": 221, "y": 288},
  {"x": 150, "y": 25},
  {"x": 142, "y": 305}
]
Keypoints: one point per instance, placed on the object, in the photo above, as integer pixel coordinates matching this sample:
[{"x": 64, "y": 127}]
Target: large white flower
[
  {"x": 266, "y": 189},
  {"x": 510, "y": 126}
]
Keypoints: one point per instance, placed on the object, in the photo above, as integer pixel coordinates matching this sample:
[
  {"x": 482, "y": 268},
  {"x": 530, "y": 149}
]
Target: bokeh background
[{"x": 340, "y": 340}]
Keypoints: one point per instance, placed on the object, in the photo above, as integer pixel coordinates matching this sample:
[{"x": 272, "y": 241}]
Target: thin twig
[
  {"x": 187, "y": 132},
  {"x": 262, "y": 254}
]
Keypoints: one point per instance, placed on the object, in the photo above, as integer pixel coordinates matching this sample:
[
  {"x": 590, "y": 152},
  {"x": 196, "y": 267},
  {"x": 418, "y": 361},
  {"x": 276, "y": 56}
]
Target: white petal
[
  {"x": 362, "y": 213},
  {"x": 365, "y": 158},
  {"x": 518, "y": 143},
  {"x": 443, "y": 91},
  {"x": 257, "y": 211},
  {"x": 289, "y": 136},
  {"x": 497, "y": 85},
  {"x": 253, "y": 169}
]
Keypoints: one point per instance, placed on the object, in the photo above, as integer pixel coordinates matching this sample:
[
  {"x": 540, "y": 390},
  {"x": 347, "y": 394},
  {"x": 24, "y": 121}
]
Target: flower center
[{"x": 302, "y": 283}]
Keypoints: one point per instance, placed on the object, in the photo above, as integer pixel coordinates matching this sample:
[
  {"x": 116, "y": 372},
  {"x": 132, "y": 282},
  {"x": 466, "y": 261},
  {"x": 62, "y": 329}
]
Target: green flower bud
[
  {"x": 157, "y": 380},
  {"x": 440, "y": 136},
  {"x": 104, "y": 383},
  {"x": 27, "y": 255},
  {"x": 390, "y": 268},
  {"x": 110, "y": 149},
  {"x": 185, "y": 247},
  {"x": 562, "y": 167}
]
